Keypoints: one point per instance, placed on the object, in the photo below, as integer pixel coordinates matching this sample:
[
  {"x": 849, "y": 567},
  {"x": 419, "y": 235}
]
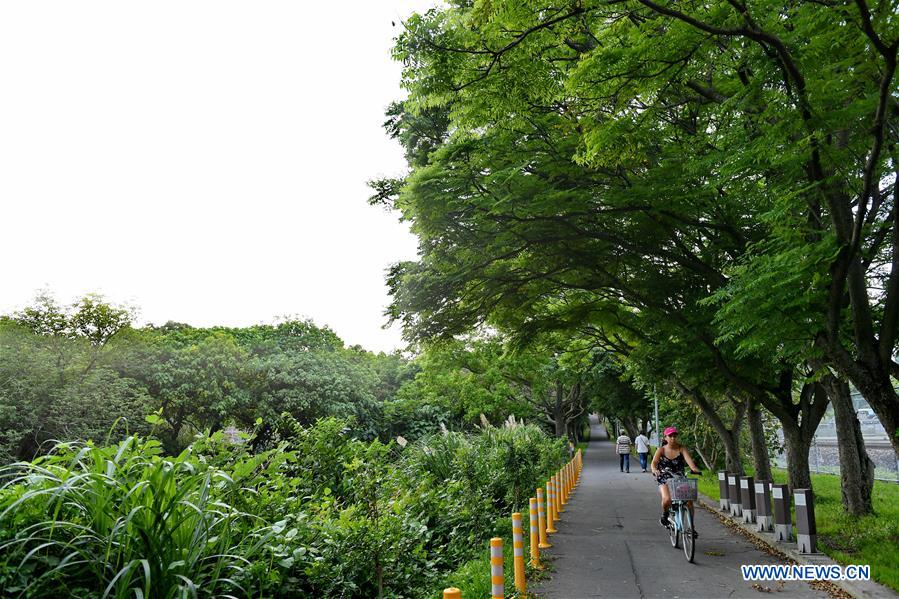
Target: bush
[
  {"x": 125, "y": 520},
  {"x": 309, "y": 512}
]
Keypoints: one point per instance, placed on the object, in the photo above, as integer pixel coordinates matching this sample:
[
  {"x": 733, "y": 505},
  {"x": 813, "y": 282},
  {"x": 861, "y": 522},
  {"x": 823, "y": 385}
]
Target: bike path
[{"x": 610, "y": 544}]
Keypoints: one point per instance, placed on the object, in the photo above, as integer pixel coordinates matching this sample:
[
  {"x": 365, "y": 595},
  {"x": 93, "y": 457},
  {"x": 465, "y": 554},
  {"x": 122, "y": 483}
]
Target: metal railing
[{"x": 824, "y": 457}]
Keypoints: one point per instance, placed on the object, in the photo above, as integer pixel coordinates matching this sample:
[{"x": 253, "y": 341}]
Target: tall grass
[{"x": 123, "y": 520}]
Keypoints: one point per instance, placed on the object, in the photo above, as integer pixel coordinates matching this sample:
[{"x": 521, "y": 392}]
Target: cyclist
[{"x": 669, "y": 460}]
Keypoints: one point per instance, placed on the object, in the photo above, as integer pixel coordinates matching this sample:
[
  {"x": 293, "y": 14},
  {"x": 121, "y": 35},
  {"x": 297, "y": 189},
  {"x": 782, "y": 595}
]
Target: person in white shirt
[
  {"x": 642, "y": 444},
  {"x": 623, "y": 448}
]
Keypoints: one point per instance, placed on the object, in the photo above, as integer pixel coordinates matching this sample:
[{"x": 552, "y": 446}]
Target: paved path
[{"x": 610, "y": 544}]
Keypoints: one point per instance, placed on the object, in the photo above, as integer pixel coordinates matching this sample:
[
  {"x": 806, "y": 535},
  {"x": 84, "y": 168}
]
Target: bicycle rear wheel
[
  {"x": 689, "y": 540},
  {"x": 672, "y": 528}
]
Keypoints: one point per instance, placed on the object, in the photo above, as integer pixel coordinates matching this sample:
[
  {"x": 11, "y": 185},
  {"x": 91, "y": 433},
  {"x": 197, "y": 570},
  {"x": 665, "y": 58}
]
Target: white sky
[{"x": 204, "y": 160}]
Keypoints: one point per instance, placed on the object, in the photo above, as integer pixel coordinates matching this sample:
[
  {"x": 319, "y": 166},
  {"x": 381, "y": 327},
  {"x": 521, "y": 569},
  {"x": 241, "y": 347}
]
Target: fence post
[
  {"x": 541, "y": 520},
  {"x": 497, "y": 581},
  {"x": 452, "y": 593},
  {"x": 534, "y": 539},
  {"x": 806, "y": 530},
  {"x": 764, "y": 520},
  {"x": 723, "y": 497},
  {"x": 733, "y": 492},
  {"x": 518, "y": 553},
  {"x": 747, "y": 498},
  {"x": 783, "y": 528}
]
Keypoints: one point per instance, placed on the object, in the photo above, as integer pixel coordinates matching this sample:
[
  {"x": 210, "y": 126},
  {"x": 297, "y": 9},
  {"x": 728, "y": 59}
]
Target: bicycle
[{"x": 680, "y": 522}]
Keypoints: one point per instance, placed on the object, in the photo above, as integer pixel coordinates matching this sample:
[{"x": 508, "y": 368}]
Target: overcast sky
[{"x": 204, "y": 160}]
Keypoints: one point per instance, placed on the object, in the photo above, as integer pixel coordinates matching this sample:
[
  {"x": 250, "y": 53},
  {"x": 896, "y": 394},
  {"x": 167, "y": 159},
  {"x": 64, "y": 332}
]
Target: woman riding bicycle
[{"x": 669, "y": 461}]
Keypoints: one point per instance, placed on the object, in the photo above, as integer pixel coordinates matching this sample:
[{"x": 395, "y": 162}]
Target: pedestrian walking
[
  {"x": 623, "y": 447},
  {"x": 642, "y": 444}
]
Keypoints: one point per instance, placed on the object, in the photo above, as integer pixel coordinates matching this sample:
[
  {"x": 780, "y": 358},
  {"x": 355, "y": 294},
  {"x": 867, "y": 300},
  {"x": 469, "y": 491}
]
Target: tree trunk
[
  {"x": 884, "y": 400},
  {"x": 796, "y": 446},
  {"x": 559, "y": 412},
  {"x": 760, "y": 459},
  {"x": 872, "y": 379},
  {"x": 798, "y": 422},
  {"x": 561, "y": 428},
  {"x": 856, "y": 468},
  {"x": 732, "y": 460},
  {"x": 730, "y": 437},
  {"x": 631, "y": 426}
]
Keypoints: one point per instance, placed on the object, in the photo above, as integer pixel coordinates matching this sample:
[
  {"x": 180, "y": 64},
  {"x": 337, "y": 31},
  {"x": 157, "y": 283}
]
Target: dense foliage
[
  {"x": 705, "y": 191},
  {"x": 311, "y": 512}
]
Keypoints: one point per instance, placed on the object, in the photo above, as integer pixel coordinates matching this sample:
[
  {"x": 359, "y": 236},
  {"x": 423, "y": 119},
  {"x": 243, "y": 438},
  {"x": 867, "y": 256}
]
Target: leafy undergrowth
[
  {"x": 310, "y": 512},
  {"x": 872, "y": 540},
  {"x": 473, "y": 577}
]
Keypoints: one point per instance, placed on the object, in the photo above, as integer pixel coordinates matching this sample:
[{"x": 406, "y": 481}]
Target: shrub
[
  {"x": 124, "y": 520},
  {"x": 312, "y": 512}
]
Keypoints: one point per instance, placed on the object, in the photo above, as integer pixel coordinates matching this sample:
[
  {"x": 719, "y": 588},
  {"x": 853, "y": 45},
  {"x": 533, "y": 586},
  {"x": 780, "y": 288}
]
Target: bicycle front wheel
[
  {"x": 689, "y": 540},
  {"x": 673, "y": 527}
]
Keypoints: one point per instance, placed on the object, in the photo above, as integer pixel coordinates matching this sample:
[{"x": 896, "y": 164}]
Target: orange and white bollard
[
  {"x": 497, "y": 582},
  {"x": 541, "y": 520},
  {"x": 534, "y": 540},
  {"x": 452, "y": 593},
  {"x": 518, "y": 554},
  {"x": 551, "y": 516}
]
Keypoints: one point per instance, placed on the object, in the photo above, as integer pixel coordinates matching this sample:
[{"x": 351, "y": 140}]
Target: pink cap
[{"x": 670, "y": 430}]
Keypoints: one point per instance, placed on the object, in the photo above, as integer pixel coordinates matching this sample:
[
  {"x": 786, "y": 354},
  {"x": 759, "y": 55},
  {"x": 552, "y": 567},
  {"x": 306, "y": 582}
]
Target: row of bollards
[
  {"x": 544, "y": 511},
  {"x": 750, "y": 501}
]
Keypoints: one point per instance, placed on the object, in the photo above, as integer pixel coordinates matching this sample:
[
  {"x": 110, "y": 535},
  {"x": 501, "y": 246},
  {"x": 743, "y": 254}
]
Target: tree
[
  {"x": 592, "y": 146},
  {"x": 57, "y": 381}
]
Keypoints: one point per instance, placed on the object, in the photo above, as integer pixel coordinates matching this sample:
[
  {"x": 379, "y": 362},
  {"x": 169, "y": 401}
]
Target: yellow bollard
[
  {"x": 452, "y": 593},
  {"x": 541, "y": 520},
  {"x": 557, "y": 493},
  {"x": 534, "y": 540},
  {"x": 563, "y": 497},
  {"x": 497, "y": 582},
  {"x": 551, "y": 516},
  {"x": 518, "y": 553}
]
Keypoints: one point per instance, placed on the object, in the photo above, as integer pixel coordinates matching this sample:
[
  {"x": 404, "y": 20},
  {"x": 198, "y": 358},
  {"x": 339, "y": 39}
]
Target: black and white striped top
[{"x": 624, "y": 444}]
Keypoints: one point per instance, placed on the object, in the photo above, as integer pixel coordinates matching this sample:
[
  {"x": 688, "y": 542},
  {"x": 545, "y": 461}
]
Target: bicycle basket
[{"x": 683, "y": 489}]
